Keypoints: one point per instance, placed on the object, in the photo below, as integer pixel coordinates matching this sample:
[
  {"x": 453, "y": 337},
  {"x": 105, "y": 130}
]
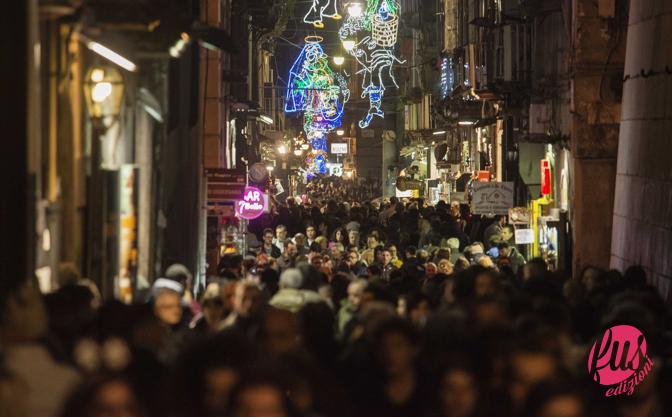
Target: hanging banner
[{"x": 492, "y": 198}]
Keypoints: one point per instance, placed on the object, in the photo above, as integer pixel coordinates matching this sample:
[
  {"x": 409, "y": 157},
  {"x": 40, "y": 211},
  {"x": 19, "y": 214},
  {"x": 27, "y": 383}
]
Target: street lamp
[
  {"x": 282, "y": 149},
  {"x": 339, "y": 60},
  {"x": 349, "y": 44},
  {"x": 340, "y": 132},
  {"x": 103, "y": 90},
  {"x": 355, "y": 9}
]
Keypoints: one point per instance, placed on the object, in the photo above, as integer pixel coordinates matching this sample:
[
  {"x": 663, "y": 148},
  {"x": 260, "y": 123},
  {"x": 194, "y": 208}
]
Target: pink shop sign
[{"x": 252, "y": 205}]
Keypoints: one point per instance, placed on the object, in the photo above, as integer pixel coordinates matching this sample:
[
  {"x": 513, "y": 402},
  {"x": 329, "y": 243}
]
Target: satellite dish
[{"x": 258, "y": 173}]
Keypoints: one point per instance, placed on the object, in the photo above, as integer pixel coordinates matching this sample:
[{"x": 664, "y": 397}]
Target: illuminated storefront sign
[{"x": 252, "y": 205}]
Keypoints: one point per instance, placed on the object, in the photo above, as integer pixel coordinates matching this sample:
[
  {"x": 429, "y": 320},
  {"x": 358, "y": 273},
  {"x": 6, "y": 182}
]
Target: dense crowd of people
[
  {"x": 339, "y": 310},
  {"x": 343, "y": 189}
]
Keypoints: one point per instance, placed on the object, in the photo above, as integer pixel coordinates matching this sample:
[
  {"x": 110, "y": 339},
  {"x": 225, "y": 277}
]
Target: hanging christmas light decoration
[
  {"x": 375, "y": 51},
  {"x": 320, "y": 93},
  {"x": 319, "y": 10}
]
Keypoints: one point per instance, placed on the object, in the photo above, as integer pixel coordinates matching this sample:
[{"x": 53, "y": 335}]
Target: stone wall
[
  {"x": 642, "y": 222},
  {"x": 598, "y": 48}
]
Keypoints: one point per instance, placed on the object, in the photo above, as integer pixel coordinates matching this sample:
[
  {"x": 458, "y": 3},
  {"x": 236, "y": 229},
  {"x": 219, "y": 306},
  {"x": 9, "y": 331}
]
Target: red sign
[
  {"x": 252, "y": 205},
  {"x": 483, "y": 176},
  {"x": 546, "y": 186}
]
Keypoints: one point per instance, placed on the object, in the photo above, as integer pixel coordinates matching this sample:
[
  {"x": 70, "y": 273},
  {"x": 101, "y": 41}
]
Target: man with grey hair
[
  {"x": 291, "y": 297},
  {"x": 350, "y": 306}
]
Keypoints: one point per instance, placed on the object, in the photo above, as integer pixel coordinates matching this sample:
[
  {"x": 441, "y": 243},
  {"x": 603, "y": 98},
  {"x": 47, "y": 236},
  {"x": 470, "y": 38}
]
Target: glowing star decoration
[
  {"x": 252, "y": 205},
  {"x": 320, "y": 93},
  {"x": 319, "y": 10},
  {"x": 375, "y": 51}
]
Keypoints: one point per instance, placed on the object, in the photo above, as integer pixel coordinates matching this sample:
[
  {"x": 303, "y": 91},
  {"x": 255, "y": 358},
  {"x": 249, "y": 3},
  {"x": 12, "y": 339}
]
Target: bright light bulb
[
  {"x": 298, "y": 152},
  {"x": 340, "y": 132},
  {"x": 339, "y": 60},
  {"x": 282, "y": 149},
  {"x": 355, "y": 9},
  {"x": 101, "y": 91},
  {"x": 107, "y": 53},
  {"x": 349, "y": 44},
  {"x": 305, "y": 146},
  {"x": 270, "y": 168},
  {"x": 97, "y": 75}
]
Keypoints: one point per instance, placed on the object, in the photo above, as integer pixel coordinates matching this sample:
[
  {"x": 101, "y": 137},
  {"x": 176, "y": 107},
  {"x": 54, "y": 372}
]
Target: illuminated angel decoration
[
  {"x": 319, "y": 10},
  {"x": 374, "y": 52},
  {"x": 320, "y": 94}
]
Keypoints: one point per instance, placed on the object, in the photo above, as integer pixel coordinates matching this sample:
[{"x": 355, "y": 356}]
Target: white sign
[
  {"x": 339, "y": 148},
  {"x": 524, "y": 236},
  {"x": 403, "y": 194},
  {"x": 335, "y": 169},
  {"x": 492, "y": 198}
]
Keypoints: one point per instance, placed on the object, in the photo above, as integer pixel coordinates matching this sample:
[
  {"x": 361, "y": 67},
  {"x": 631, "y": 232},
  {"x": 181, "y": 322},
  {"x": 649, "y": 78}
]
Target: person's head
[
  {"x": 396, "y": 343},
  {"x": 23, "y": 316},
  {"x": 386, "y": 255},
  {"x": 418, "y": 308},
  {"x": 290, "y": 248},
  {"x": 431, "y": 270},
  {"x": 291, "y": 278},
  {"x": 485, "y": 283},
  {"x": 410, "y": 251},
  {"x": 212, "y": 305},
  {"x": 246, "y": 299},
  {"x": 323, "y": 242},
  {"x": 168, "y": 306},
  {"x": 339, "y": 235},
  {"x": 459, "y": 392},
  {"x": 300, "y": 240},
  {"x": 355, "y": 290},
  {"x": 281, "y": 232},
  {"x": 455, "y": 209},
  {"x": 280, "y": 331},
  {"x": 311, "y": 233},
  {"x": 529, "y": 367},
  {"x": 267, "y": 236},
  {"x": 504, "y": 249},
  {"x": 500, "y": 220},
  {"x": 353, "y": 237},
  {"x": 260, "y": 397},
  {"x": 393, "y": 251},
  {"x": 104, "y": 397},
  {"x": 353, "y": 257},
  {"x": 486, "y": 262},
  {"x": 445, "y": 267},
  {"x": 316, "y": 260},
  {"x": 554, "y": 399},
  {"x": 507, "y": 233},
  {"x": 372, "y": 240}
]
